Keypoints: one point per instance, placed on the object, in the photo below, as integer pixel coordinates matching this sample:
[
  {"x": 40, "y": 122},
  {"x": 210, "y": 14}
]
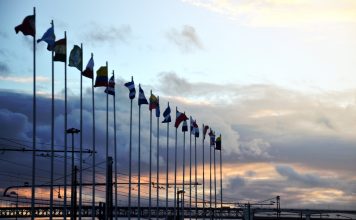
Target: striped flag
[
  {"x": 141, "y": 96},
  {"x": 60, "y": 48},
  {"x": 167, "y": 115},
  {"x": 185, "y": 126},
  {"x": 196, "y": 129},
  {"x": 88, "y": 72},
  {"x": 179, "y": 118},
  {"x": 153, "y": 102},
  {"x": 101, "y": 77},
  {"x": 158, "y": 110},
  {"x": 131, "y": 87},
  {"x": 212, "y": 137},
  {"x": 111, "y": 87}
]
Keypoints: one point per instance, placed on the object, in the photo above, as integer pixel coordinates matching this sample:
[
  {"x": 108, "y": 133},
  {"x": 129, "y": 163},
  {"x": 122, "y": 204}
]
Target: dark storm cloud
[
  {"x": 110, "y": 35},
  {"x": 186, "y": 39}
]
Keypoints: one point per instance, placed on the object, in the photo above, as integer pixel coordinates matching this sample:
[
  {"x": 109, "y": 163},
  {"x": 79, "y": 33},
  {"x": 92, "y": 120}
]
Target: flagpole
[
  {"x": 130, "y": 157},
  {"x": 107, "y": 149},
  {"x": 196, "y": 174},
  {"x": 94, "y": 149},
  {"x": 167, "y": 169},
  {"x": 221, "y": 186},
  {"x": 139, "y": 164},
  {"x": 157, "y": 157},
  {"x": 210, "y": 184},
  {"x": 203, "y": 174},
  {"x": 65, "y": 134},
  {"x": 115, "y": 156},
  {"x": 33, "y": 125},
  {"x": 175, "y": 173},
  {"x": 183, "y": 173},
  {"x": 214, "y": 178},
  {"x": 81, "y": 137},
  {"x": 190, "y": 169},
  {"x": 52, "y": 138},
  {"x": 150, "y": 172}
]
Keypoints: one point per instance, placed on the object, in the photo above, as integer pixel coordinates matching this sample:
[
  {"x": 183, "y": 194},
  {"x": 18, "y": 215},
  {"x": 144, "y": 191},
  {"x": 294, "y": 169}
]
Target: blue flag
[
  {"x": 131, "y": 87},
  {"x": 49, "y": 38},
  {"x": 111, "y": 87},
  {"x": 158, "y": 110},
  {"x": 141, "y": 97},
  {"x": 167, "y": 115}
]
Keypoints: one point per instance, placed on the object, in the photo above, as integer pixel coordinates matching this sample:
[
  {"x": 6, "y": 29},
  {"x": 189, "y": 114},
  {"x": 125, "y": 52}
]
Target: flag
[
  {"x": 141, "y": 96},
  {"x": 185, "y": 126},
  {"x": 75, "y": 57},
  {"x": 205, "y": 129},
  {"x": 212, "y": 137},
  {"x": 60, "y": 48},
  {"x": 179, "y": 118},
  {"x": 49, "y": 38},
  {"x": 88, "y": 72},
  {"x": 153, "y": 102},
  {"x": 101, "y": 77},
  {"x": 111, "y": 87},
  {"x": 131, "y": 87},
  {"x": 28, "y": 26},
  {"x": 196, "y": 129},
  {"x": 167, "y": 115},
  {"x": 158, "y": 110},
  {"x": 191, "y": 125},
  {"x": 218, "y": 143}
]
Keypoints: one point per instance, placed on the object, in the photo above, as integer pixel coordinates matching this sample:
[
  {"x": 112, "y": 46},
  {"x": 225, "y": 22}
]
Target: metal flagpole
[
  {"x": 157, "y": 157},
  {"x": 81, "y": 138},
  {"x": 65, "y": 134},
  {"x": 196, "y": 174},
  {"x": 130, "y": 158},
  {"x": 33, "y": 125},
  {"x": 175, "y": 174},
  {"x": 52, "y": 138},
  {"x": 94, "y": 149},
  {"x": 190, "y": 169},
  {"x": 150, "y": 172},
  {"x": 183, "y": 173},
  {"x": 167, "y": 169},
  {"x": 214, "y": 179},
  {"x": 107, "y": 148},
  {"x": 203, "y": 173},
  {"x": 221, "y": 186},
  {"x": 115, "y": 151},
  {"x": 139, "y": 164},
  {"x": 210, "y": 183}
]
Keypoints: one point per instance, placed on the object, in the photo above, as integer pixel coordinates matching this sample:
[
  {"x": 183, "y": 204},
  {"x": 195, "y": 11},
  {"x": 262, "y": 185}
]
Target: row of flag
[{"x": 27, "y": 27}]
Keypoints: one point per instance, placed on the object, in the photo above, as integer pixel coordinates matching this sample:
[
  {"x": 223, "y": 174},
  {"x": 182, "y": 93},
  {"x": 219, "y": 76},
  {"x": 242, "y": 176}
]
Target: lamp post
[
  {"x": 71, "y": 131},
  {"x": 17, "y": 202}
]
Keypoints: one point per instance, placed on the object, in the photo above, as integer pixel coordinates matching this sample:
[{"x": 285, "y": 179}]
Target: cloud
[
  {"x": 279, "y": 13},
  {"x": 187, "y": 39},
  {"x": 23, "y": 79},
  {"x": 111, "y": 35}
]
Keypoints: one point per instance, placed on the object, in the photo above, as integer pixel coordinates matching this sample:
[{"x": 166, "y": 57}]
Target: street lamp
[
  {"x": 17, "y": 201},
  {"x": 73, "y": 191}
]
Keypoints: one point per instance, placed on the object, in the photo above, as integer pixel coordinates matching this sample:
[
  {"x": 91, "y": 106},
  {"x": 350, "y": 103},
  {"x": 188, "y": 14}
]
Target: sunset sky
[{"x": 277, "y": 78}]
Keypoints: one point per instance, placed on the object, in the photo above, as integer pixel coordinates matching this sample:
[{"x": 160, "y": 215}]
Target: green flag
[{"x": 75, "y": 57}]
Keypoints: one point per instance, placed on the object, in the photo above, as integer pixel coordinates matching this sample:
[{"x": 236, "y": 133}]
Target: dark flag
[
  {"x": 153, "y": 102},
  {"x": 205, "y": 129},
  {"x": 75, "y": 57},
  {"x": 131, "y": 87},
  {"x": 158, "y": 110},
  {"x": 167, "y": 115},
  {"x": 218, "y": 143},
  {"x": 60, "y": 50},
  {"x": 141, "y": 97},
  {"x": 88, "y": 72},
  {"x": 101, "y": 77},
  {"x": 49, "y": 38},
  {"x": 111, "y": 87},
  {"x": 28, "y": 26},
  {"x": 196, "y": 129},
  {"x": 185, "y": 126},
  {"x": 212, "y": 137},
  {"x": 179, "y": 118}
]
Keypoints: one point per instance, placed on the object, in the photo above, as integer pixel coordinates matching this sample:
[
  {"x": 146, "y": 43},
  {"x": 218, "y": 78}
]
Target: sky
[{"x": 275, "y": 77}]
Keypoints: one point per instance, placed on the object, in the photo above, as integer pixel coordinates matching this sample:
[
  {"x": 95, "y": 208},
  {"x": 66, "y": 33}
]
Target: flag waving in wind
[
  {"x": 167, "y": 115},
  {"x": 179, "y": 118},
  {"x": 158, "y": 110},
  {"x": 131, "y": 87},
  {"x": 141, "y": 96},
  {"x": 212, "y": 137},
  {"x": 196, "y": 129},
  {"x": 88, "y": 72},
  {"x": 111, "y": 87},
  {"x": 60, "y": 49},
  {"x": 49, "y": 38},
  {"x": 205, "y": 129},
  {"x": 75, "y": 57},
  {"x": 101, "y": 77},
  {"x": 218, "y": 143},
  {"x": 185, "y": 126},
  {"x": 153, "y": 102},
  {"x": 28, "y": 26}
]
